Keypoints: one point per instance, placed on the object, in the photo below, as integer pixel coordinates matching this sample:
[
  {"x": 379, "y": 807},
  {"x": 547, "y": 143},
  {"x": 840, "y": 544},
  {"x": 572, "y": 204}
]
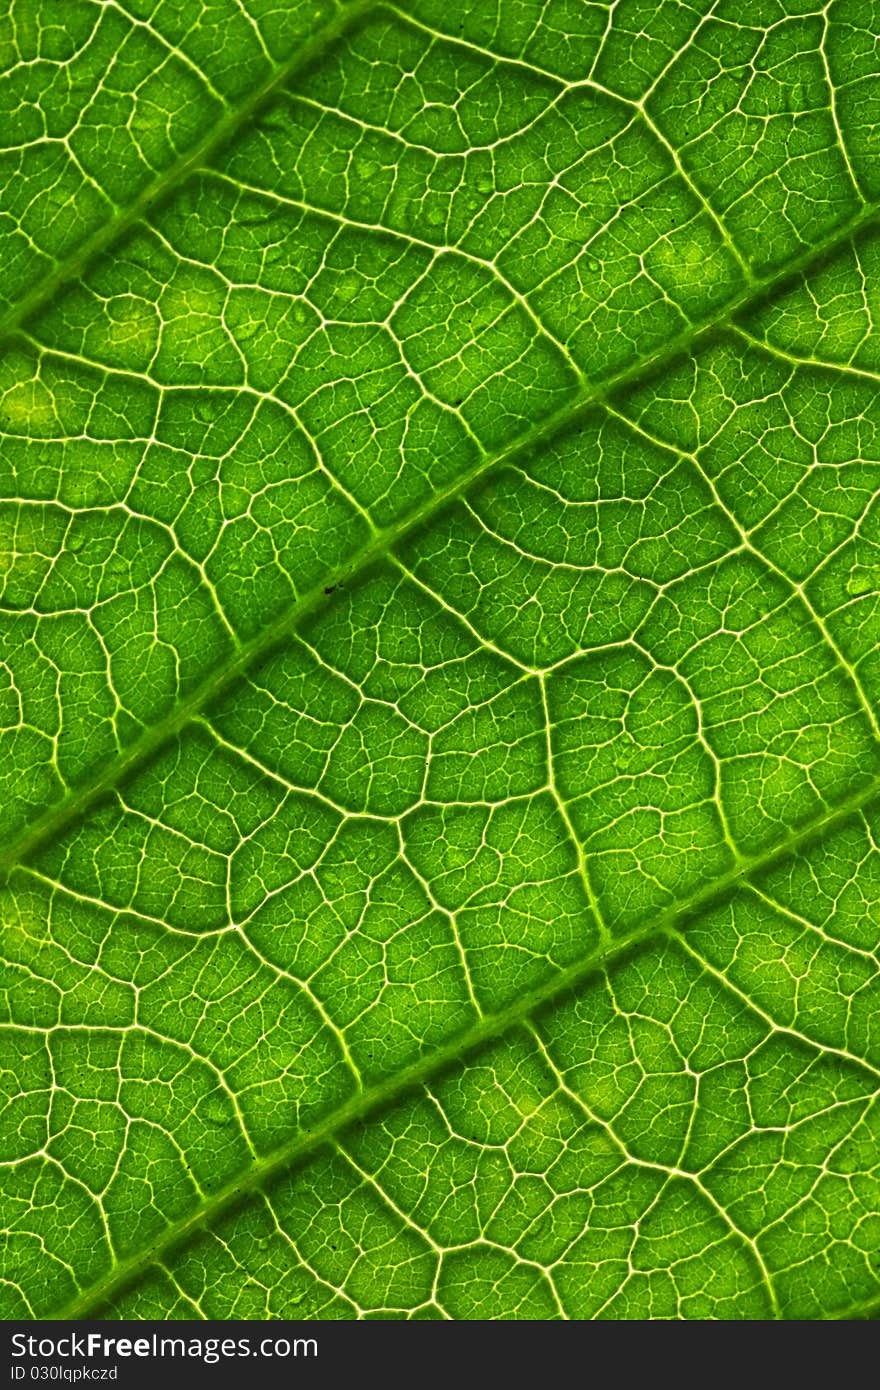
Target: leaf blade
[{"x": 557, "y": 715}]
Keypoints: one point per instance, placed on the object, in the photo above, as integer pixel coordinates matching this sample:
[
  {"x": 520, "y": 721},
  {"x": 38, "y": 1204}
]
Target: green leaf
[{"x": 440, "y": 659}]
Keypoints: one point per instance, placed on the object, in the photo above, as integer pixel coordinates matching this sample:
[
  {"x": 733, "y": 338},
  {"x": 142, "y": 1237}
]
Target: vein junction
[{"x": 545, "y": 386}]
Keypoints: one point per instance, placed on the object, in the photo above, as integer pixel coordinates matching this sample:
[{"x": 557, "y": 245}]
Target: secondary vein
[
  {"x": 455, "y": 1051},
  {"x": 247, "y": 654}
]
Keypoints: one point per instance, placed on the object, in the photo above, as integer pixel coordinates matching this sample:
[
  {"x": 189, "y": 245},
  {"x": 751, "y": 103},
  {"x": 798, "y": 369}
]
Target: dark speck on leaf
[{"x": 331, "y": 589}]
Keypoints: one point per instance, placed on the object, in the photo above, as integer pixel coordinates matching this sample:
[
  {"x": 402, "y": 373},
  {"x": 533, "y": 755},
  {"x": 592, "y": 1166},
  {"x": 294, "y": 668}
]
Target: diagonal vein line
[
  {"x": 198, "y": 155},
  {"x": 247, "y": 654},
  {"x": 671, "y": 921},
  {"x": 455, "y": 1051}
]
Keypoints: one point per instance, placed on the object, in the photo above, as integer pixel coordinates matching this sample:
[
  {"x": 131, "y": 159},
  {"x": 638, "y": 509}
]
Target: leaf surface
[{"x": 439, "y": 660}]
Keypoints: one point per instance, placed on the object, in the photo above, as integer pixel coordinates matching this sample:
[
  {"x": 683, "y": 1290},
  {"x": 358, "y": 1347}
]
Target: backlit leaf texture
[{"x": 440, "y": 659}]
